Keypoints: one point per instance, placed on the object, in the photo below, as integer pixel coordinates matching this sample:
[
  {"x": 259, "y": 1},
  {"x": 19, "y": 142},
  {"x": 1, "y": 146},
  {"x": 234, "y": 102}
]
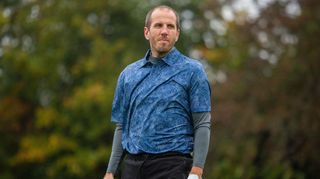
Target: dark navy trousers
[{"x": 156, "y": 166}]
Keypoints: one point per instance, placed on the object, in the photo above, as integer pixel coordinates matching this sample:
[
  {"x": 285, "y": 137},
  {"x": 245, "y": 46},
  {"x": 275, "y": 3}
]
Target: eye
[
  {"x": 171, "y": 26},
  {"x": 157, "y": 25}
]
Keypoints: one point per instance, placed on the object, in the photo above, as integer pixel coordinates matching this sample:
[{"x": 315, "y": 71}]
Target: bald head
[{"x": 148, "y": 17}]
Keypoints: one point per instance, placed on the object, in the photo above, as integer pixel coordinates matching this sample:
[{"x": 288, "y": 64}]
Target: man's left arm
[
  {"x": 201, "y": 125},
  {"x": 200, "y": 105}
]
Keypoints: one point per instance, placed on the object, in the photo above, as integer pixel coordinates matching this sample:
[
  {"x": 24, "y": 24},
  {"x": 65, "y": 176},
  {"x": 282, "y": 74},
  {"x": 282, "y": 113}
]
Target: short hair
[{"x": 148, "y": 17}]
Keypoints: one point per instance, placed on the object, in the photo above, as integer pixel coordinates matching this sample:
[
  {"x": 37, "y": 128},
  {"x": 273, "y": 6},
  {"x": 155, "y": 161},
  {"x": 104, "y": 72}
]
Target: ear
[
  {"x": 177, "y": 36},
  {"x": 146, "y": 33}
]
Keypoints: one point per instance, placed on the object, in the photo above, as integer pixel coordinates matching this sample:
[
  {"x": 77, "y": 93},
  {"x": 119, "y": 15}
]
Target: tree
[{"x": 59, "y": 62}]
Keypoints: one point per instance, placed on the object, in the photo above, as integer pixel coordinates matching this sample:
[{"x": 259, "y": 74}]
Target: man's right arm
[{"x": 116, "y": 153}]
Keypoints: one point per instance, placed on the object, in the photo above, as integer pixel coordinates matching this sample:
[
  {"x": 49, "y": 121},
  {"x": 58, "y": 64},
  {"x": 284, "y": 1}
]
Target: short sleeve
[
  {"x": 200, "y": 92},
  {"x": 118, "y": 111}
]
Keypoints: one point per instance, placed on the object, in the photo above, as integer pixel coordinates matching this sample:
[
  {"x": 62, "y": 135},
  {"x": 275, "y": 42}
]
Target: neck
[{"x": 156, "y": 54}]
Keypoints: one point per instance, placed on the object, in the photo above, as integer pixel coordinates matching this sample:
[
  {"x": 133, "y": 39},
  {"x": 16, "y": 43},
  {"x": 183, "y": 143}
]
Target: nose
[{"x": 164, "y": 30}]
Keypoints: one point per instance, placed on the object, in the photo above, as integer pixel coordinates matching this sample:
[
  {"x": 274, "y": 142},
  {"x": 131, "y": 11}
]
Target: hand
[
  {"x": 193, "y": 176},
  {"x": 196, "y": 171},
  {"x": 108, "y": 176}
]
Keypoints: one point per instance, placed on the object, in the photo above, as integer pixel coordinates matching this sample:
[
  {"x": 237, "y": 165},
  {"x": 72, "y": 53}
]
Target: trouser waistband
[{"x": 143, "y": 156}]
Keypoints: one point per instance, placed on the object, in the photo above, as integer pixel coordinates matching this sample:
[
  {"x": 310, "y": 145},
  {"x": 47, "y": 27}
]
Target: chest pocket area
[{"x": 174, "y": 87}]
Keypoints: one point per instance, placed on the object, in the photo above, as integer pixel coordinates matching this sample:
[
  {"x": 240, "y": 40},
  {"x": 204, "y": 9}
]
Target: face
[{"x": 162, "y": 33}]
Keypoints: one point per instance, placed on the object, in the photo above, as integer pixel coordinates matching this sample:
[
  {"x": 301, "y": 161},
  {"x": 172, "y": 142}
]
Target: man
[{"x": 162, "y": 108}]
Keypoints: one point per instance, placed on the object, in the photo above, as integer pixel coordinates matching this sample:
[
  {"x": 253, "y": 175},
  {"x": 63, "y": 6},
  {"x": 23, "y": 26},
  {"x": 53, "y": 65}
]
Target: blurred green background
[{"x": 60, "y": 59}]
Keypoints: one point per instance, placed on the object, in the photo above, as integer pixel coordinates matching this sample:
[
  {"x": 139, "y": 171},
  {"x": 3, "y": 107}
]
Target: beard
[
  {"x": 164, "y": 47},
  {"x": 161, "y": 48},
  {"x": 162, "y": 51}
]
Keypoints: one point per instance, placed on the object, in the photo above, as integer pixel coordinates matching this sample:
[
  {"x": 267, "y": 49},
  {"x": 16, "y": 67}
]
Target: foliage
[{"x": 59, "y": 63}]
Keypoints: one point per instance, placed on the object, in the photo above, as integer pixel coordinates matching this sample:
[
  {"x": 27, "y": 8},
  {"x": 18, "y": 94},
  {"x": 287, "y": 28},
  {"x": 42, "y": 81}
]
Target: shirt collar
[{"x": 170, "y": 59}]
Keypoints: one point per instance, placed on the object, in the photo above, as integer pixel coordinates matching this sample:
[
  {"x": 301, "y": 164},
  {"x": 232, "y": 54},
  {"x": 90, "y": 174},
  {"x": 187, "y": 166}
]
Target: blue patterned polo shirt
[{"x": 154, "y": 103}]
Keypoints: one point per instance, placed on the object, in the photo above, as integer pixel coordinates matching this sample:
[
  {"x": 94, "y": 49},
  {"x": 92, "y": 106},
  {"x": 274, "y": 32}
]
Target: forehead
[{"x": 163, "y": 14}]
